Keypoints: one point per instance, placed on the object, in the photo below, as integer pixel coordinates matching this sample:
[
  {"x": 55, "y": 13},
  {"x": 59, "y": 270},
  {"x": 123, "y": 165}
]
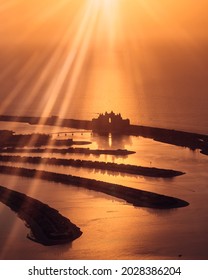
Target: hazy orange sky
[
  {"x": 57, "y": 55},
  {"x": 163, "y": 18},
  {"x": 22, "y": 19}
]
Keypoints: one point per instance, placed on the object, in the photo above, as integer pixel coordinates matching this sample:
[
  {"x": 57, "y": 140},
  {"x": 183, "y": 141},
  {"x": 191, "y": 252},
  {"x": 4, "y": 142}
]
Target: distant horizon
[
  {"x": 96, "y": 115},
  {"x": 145, "y": 59}
]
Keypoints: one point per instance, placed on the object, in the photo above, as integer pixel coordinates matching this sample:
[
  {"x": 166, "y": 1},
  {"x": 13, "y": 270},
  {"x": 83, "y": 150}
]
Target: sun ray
[
  {"x": 72, "y": 56},
  {"x": 19, "y": 86}
]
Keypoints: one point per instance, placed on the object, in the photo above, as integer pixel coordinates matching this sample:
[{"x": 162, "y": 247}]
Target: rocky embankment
[
  {"x": 107, "y": 166},
  {"x": 47, "y": 225},
  {"x": 133, "y": 196}
]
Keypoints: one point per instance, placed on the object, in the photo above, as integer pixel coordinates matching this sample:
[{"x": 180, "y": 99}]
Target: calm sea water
[{"x": 111, "y": 228}]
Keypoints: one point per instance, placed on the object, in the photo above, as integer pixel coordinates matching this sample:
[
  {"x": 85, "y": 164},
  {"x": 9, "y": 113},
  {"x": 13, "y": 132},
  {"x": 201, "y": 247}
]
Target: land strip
[
  {"x": 85, "y": 151},
  {"x": 174, "y": 137},
  {"x": 108, "y": 166},
  {"x": 133, "y": 196},
  {"x": 47, "y": 225}
]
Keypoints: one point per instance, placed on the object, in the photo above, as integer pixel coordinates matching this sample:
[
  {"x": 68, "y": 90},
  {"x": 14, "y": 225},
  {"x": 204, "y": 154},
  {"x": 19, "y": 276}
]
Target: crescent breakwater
[
  {"x": 122, "y": 168},
  {"x": 47, "y": 225},
  {"x": 133, "y": 196},
  {"x": 174, "y": 137}
]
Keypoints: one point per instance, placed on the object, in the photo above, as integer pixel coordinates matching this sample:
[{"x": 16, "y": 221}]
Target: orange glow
[
  {"x": 96, "y": 48},
  {"x": 64, "y": 53},
  {"x": 78, "y": 58}
]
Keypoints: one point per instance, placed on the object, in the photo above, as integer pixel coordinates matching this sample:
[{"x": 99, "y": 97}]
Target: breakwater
[
  {"x": 133, "y": 196},
  {"x": 174, "y": 137},
  {"x": 109, "y": 166},
  {"x": 47, "y": 225}
]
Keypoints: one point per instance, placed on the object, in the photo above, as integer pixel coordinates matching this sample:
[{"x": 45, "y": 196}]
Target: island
[
  {"x": 107, "y": 166},
  {"x": 136, "y": 197},
  {"x": 47, "y": 225}
]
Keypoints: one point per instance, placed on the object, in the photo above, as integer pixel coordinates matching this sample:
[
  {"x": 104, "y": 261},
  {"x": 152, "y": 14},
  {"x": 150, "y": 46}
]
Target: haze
[{"x": 75, "y": 58}]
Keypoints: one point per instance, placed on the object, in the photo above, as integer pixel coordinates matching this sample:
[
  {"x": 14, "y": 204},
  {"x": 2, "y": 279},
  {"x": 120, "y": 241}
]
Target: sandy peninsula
[{"x": 47, "y": 225}]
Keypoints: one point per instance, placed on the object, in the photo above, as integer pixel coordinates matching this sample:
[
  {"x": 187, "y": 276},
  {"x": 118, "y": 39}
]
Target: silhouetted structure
[{"x": 110, "y": 123}]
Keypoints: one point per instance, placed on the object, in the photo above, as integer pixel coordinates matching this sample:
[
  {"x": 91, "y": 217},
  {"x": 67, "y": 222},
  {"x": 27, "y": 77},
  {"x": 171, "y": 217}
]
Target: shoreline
[
  {"x": 136, "y": 197},
  {"x": 47, "y": 225}
]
